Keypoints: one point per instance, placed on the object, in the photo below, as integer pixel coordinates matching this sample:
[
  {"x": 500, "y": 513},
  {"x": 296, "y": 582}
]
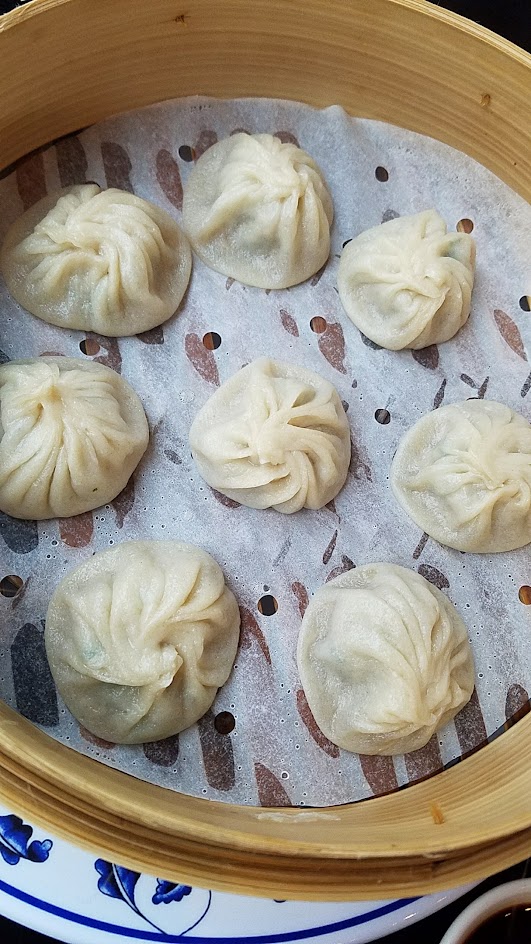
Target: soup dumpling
[
  {"x": 408, "y": 282},
  {"x": 274, "y": 435},
  {"x": 71, "y": 434},
  {"x": 97, "y": 260},
  {"x": 140, "y": 637},
  {"x": 384, "y": 660},
  {"x": 259, "y": 210},
  {"x": 463, "y": 474}
]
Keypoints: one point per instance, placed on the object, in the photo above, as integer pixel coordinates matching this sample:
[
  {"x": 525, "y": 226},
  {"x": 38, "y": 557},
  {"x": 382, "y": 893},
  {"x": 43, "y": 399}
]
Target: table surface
[{"x": 512, "y": 19}]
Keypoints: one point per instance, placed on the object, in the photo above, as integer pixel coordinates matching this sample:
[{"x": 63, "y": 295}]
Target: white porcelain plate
[{"x": 60, "y": 890}]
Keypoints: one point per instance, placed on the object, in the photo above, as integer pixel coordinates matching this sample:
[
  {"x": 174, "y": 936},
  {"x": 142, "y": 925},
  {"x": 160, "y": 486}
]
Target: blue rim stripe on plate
[{"x": 175, "y": 938}]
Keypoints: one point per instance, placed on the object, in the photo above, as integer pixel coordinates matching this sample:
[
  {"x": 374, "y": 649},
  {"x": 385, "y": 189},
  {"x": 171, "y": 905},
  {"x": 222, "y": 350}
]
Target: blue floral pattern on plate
[
  {"x": 115, "y": 881},
  {"x": 107, "y": 902},
  {"x": 169, "y": 891},
  {"x": 15, "y": 842}
]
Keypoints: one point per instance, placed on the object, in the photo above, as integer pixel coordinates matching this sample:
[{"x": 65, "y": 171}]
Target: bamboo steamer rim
[{"x": 402, "y": 61}]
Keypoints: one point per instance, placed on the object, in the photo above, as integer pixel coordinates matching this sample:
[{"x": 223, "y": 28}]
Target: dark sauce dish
[{"x": 500, "y": 916}]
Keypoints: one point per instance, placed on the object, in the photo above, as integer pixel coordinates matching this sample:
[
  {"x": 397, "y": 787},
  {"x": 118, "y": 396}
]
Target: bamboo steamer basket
[{"x": 65, "y": 64}]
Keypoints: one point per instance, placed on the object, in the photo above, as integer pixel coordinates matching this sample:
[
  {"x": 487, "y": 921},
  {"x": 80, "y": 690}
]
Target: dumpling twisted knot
[
  {"x": 108, "y": 232},
  {"x": 272, "y": 178}
]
